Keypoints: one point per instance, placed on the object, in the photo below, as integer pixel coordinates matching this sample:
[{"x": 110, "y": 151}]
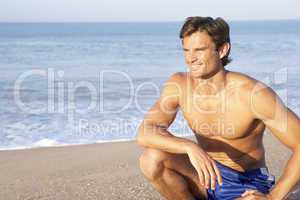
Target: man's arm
[
  {"x": 153, "y": 131},
  {"x": 285, "y": 125}
]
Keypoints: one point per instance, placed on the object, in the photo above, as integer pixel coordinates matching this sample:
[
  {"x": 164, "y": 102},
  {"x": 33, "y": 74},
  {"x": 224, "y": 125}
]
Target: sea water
[{"x": 78, "y": 83}]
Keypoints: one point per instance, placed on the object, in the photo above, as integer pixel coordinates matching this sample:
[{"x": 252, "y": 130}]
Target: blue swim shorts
[{"x": 235, "y": 183}]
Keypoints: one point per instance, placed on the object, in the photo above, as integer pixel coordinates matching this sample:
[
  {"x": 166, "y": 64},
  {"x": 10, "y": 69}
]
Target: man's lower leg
[{"x": 172, "y": 186}]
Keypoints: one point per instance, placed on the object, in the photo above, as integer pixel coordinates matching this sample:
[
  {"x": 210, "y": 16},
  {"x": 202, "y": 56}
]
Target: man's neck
[{"x": 211, "y": 86}]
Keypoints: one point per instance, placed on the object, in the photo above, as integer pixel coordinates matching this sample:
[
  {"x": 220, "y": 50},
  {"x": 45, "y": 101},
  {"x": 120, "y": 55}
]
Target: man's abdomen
[{"x": 241, "y": 154}]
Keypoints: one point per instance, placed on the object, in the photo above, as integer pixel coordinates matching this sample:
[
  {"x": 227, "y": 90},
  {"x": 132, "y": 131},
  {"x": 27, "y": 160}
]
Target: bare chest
[{"x": 224, "y": 117}]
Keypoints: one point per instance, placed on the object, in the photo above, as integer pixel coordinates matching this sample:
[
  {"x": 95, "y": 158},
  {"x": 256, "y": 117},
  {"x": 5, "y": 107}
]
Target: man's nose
[{"x": 192, "y": 57}]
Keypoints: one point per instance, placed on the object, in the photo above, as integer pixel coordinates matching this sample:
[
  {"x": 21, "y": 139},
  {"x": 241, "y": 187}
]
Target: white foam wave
[
  {"x": 46, "y": 143},
  {"x": 53, "y": 143}
]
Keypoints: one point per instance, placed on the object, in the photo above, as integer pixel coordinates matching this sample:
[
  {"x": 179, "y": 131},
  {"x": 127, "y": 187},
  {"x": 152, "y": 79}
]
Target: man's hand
[
  {"x": 254, "y": 195},
  {"x": 205, "y": 166}
]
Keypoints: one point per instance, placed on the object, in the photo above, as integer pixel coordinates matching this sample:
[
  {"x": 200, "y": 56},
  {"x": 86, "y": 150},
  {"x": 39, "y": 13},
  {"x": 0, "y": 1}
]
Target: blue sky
[{"x": 144, "y": 10}]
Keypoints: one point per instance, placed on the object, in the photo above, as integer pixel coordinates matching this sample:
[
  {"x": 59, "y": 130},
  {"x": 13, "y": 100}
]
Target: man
[{"x": 228, "y": 112}]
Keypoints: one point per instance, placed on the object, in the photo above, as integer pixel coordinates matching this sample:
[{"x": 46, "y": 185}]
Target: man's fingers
[
  {"x": 206, "y": 177},
  {"x": 212, "y": 176},
  {"x": 251, "y": 195},
  {"x": 218, "y": 173},
  {"x": 247, "y": 197},
  {"x": 249, "y": 192},
  {"x": 201, "y": 177},
  {"x": 240, "y": 198}
]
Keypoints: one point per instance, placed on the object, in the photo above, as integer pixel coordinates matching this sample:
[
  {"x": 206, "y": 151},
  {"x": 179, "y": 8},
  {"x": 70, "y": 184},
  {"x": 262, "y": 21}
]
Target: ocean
[{"x": 79, "y": 83}]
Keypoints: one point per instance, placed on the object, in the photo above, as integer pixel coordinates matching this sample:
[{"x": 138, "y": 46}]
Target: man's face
[{"x": 201, "y": 55}]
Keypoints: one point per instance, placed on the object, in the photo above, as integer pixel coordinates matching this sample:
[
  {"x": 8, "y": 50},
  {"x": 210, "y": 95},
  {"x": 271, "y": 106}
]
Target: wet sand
[{"x": 107, "y": 171}]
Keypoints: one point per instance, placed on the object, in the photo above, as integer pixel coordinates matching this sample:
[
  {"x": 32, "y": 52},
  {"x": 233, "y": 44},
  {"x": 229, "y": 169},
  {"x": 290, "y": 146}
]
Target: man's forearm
[
  {"x": 160, "y": 138},
  {"x": 289, "y": 178}
]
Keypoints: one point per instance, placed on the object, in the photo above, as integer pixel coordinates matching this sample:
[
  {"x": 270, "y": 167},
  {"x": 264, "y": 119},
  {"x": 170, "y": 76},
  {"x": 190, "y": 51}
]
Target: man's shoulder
[
  {"x": 247, "y": 87},
  {"x": 178, "y": 75},
  {"x": 173, "y": 86},
  {"x": 243, "y": 81},
  {"x": 178, "y": 78}
]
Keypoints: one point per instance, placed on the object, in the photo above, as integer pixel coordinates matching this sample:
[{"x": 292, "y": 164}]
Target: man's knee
[{"x": 152, "y": 163}]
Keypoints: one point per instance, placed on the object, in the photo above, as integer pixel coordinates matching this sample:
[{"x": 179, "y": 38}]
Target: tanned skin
[{"x": 228, "y": 113}]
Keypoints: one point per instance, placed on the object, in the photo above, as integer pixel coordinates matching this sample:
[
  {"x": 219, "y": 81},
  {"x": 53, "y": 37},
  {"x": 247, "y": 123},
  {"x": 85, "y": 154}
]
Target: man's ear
[{"x": 223, "y": 50}]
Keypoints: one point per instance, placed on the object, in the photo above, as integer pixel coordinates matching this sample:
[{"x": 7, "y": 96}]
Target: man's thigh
[{"x": 181, "y": 164}]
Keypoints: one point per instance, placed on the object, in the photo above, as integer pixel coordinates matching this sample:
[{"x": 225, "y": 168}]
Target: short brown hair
[{"x": 217, "y": 29}]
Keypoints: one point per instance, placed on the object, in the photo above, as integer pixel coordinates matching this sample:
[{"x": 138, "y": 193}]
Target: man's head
[{"x": 206, "y": 43}]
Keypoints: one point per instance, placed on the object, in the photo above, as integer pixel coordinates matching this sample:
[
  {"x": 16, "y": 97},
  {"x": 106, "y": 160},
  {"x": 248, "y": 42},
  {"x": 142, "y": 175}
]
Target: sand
[{"x": 107, "y": 171}]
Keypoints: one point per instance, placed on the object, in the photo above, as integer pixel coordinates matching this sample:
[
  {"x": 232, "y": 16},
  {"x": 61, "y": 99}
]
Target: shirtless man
[{"x": 225, "y": 163}]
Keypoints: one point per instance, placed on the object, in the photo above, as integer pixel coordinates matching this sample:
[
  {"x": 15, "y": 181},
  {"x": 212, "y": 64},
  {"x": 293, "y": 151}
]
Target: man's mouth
[{"x": 196, "y": 67}]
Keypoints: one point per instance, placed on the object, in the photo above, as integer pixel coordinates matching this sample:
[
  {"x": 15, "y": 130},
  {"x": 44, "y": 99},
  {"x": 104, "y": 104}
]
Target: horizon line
[{"x": 147, "y": 21}]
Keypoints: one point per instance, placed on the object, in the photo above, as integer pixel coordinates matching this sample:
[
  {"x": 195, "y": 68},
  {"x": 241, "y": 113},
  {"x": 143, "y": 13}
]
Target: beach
[
  {"x": 107, "y": 171},
  {"x": 72, "y": 96}
]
